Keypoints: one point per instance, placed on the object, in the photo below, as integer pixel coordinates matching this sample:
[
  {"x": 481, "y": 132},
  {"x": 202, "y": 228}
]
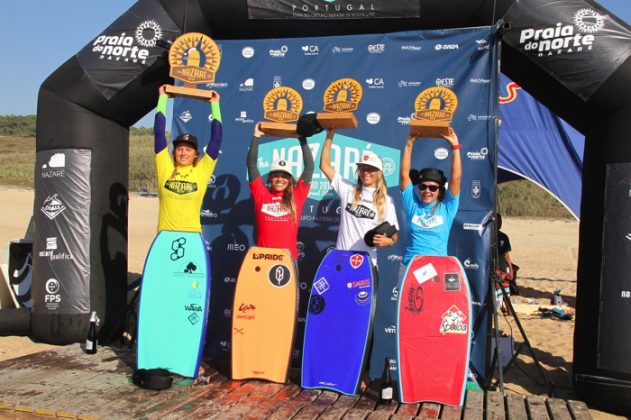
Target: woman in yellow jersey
[{"x": 183, "y": 178}]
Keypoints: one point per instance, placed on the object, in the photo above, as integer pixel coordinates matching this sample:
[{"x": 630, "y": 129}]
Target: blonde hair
[{"x": 379, "y": 197}]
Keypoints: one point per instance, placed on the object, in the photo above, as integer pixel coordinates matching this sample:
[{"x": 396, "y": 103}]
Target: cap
[
  {"x": 186, "y": 138},
  {"x": 371, "y": 159},
  {"x": 280, "y": 166}
]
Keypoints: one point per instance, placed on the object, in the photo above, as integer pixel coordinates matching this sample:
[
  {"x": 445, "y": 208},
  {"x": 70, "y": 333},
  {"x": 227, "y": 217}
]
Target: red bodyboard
[{"x": 433, "y": 331}]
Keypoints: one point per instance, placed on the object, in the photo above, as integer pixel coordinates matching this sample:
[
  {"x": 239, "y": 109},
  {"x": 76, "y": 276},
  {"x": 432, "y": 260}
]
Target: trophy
[
  {"x": 433, "y": 110},
  {"x": 281, "y": 106},
  {"x": 341, "y": 98},
  {"x": 193, "y": 58}
]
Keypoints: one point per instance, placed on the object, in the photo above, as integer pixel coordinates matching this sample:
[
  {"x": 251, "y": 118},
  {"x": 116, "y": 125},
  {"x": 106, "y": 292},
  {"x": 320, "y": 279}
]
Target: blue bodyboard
[
  {"x": 173, "y": 308},
  {"x": 339, "y": 321}
]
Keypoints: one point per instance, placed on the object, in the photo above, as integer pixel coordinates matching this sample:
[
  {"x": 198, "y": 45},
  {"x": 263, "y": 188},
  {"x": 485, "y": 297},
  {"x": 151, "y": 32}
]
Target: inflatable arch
[{"x": 570, "y": 54}]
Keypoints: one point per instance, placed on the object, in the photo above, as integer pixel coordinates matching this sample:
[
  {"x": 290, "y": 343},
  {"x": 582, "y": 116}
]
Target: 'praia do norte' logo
[
  {"x": 564, "y": 38},
  {"x": 128, "y": 47},
  {"x": 343, "y": 95},
  {"x": 194, "y": 58},
  {"x": 435, "y": 104},
  {"x": 282, "y": 104}
]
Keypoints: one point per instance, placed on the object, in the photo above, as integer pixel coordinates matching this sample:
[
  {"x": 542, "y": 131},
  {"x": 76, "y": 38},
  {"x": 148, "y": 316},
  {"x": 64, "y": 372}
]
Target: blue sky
[{"x": 38, "y": 36}]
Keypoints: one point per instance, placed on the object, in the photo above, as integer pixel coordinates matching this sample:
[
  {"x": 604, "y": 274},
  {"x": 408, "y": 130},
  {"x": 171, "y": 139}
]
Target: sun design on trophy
[
  {"x": 343, "y": 95},
  {"x": 194, "y": 58},
  {"x": 282, "y": 104},
  {"x": 436, "y": 103}
]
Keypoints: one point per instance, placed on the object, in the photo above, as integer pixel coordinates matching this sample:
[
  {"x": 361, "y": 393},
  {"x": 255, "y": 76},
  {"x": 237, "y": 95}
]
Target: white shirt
[{"x": 355, "y": 222}]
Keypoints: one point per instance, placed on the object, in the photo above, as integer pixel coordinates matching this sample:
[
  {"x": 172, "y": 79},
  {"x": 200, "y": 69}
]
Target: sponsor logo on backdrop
[
  {"x": 482, "y": 44},
  {"x": 247, "y": 52},
  {"x": 413, "y": 48},
  {"x": 53, "y": 206},
  {"x": 446, "y": 47},
  {"x": 409, "y": 83},
  {"x": 128, "y": 47},
  {"x": 564, "y": 37},
  {"x": 279, "y": 52},
  {"x": 208, "y": 214},
  {"x": 441, "y": 153},
  {"x": 470, "y": 264},
  {"x": 308, "y": 84},
  {"x": 277, "y": 82},
  {"x": 373, "y": 118},
  {"x": 247, "y": 85},
  {"x": 342, "y": 50},
  {"x": 476, "y": 189},
  {"x": 243, "y": 118},
  {"x": 446, "y": 82},
  {"x": 478, "y": 155},
  {"x": 56, "y": 166},
  {"x": 375, "y": 83},
  {"x": 473, "y": 226},
  {"x": 377, "y": 48},
  {"x": 483, "y": 118},
  {"x": 310, "y": 49},
  {"x": 479, "y": 81}
]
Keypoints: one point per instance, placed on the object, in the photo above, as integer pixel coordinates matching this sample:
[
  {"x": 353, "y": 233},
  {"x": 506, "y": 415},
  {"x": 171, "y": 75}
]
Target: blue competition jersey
[{"x": 428, "y": 231}]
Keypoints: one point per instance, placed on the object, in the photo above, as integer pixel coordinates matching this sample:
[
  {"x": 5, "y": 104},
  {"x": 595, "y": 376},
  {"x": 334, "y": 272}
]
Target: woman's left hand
[
  {"x": 451, "y": 137},
  {"x": 214, "y": 96}
]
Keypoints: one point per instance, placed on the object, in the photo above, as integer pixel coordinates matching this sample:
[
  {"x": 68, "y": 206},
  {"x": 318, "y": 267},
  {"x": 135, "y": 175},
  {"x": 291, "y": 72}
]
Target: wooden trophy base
[
  {"x": 337, "y": 120},
  {"x": 188, "y": 92},
  {"x": 429, "y": 128},
  {"x": 279, "y": 129}
]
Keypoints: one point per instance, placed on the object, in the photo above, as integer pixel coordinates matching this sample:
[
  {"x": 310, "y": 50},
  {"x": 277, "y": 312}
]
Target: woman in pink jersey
[{"x": 278, "y": 204}]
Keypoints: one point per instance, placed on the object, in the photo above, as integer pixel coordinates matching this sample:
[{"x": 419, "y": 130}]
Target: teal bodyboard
[{"x": 173, "y": 308}]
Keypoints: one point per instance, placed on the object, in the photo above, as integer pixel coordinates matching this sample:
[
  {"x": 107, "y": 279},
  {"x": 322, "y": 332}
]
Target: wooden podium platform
[{"x": 66, "y": 383}]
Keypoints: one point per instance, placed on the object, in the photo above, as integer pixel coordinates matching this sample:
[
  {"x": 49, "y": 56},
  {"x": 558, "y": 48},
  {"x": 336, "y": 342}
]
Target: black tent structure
[{"x": 571, "y": 55}]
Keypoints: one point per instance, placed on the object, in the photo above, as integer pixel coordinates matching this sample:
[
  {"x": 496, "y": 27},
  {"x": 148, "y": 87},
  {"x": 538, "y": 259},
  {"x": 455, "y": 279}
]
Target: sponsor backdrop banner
[
  {"x": 575, "y": 41},
  {"x": 331, "y": 9},
  {"x": 126, "y": 48},
  {"x": 61, "y": 244},
  {"x": 393, "y": 70}
]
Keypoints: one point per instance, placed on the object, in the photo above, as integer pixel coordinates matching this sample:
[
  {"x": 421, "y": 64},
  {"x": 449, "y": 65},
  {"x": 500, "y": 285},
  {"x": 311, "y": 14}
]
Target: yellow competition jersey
[{"x": 181, "y": 196}]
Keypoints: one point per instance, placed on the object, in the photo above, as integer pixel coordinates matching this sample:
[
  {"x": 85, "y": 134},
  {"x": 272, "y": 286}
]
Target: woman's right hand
[
  {"x": 257, "y": 130},
  {"x": 162, "y": 90}
]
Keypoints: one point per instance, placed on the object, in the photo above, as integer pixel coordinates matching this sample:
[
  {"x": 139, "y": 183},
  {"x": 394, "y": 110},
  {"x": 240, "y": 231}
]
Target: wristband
[{"x": 456, "y": 147}]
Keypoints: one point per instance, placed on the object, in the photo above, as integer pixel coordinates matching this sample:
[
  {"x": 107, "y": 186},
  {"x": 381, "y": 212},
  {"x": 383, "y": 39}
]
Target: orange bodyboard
[{"x": 264, "y": 315}]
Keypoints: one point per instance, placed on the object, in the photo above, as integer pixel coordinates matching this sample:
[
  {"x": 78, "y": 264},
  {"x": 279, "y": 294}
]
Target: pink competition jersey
[{"x": 274, "y": 226}]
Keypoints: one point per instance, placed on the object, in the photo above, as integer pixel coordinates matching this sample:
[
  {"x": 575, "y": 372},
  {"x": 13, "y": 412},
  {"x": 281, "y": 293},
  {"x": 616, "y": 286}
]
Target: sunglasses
[{"x": 432, "y": 188}]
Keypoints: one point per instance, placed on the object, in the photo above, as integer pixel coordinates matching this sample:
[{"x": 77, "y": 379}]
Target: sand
[{"x": 546, "y": 251}]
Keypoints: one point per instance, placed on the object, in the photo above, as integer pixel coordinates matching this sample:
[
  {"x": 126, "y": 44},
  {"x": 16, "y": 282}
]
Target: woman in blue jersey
[
  {"x": 431, "y": 213},
  {"x": 183, "y": 178}
]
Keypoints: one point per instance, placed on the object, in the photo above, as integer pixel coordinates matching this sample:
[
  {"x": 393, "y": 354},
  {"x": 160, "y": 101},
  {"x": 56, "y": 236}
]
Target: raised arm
[
  {"x": 253, "y": 153},
  {"x": 216, "y": 127},
  {"x": 160, "y": 121},
  {"x": 307, "y": 159},
  {"x": 325, "y": 157},
  {"x": 406, "y": 163},
  {"x": 456, "y": 162}
]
